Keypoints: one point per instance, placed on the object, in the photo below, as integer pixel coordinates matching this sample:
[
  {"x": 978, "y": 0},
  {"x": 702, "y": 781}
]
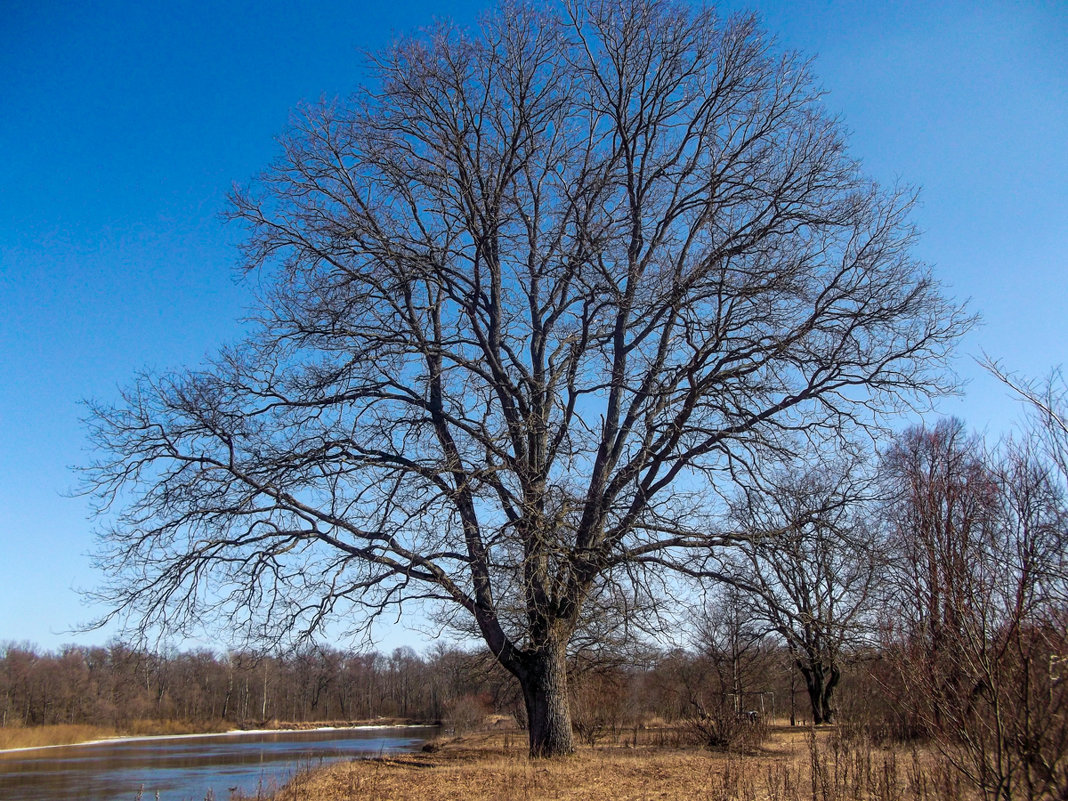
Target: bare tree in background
[
  {"x": 810, "y": 564},
  {"x": 728, "y": 693},
  {"x": 979, "y": 608},
  {"x": 536, "y": 297},
  {"x": 734, "y": 644}
]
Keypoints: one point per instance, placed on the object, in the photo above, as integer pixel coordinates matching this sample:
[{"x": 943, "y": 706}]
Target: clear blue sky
[{"x": 124, "y": 124}]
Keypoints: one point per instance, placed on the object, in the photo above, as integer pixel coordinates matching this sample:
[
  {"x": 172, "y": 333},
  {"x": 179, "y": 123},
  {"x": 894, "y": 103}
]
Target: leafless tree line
[{"x": 117, "y": 685}]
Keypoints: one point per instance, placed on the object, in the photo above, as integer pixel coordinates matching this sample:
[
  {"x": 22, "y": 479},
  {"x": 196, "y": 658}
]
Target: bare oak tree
[
  {"x": 536, "y": 293},
  {"x": 811, "y": 564}
]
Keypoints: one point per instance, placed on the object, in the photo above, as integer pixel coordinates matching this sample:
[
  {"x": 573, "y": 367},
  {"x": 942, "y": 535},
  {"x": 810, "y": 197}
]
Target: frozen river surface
[{"x": 188, "y": 768}]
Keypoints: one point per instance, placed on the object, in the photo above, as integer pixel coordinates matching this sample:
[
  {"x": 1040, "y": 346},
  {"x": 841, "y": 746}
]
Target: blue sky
[{"x": 124, "y": 124}]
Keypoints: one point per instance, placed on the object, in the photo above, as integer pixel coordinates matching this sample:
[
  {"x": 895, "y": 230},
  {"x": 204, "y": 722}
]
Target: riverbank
[
  {"x": 791, "y": 764},
  {"x": 22, "y": 738}
]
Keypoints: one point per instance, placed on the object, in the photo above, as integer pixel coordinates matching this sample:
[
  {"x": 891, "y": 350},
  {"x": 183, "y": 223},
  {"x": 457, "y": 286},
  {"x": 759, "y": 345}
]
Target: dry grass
[
  {"x": 69, "y": 734},
  {"x": 155, "y": 728},
  {"x": 65, "y": 734},
  {"x": 793, "y": 765}
]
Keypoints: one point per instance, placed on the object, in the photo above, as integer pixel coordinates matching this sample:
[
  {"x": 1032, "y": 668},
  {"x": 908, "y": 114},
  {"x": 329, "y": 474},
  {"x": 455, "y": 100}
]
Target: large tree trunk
[
  {"x": 544, "y": 682},
  {"x": 814, "y": 686},
  {"x": 814, "y": 693},
  {"x": 820, "y": 689}
]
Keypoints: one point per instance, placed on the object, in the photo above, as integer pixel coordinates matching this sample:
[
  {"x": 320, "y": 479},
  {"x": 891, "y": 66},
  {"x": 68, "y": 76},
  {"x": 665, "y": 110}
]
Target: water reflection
[{"x": 187, "y": 768}]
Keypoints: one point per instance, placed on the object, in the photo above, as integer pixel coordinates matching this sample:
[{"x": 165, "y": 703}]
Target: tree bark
[
  {"x": 819, "y": 696},
  {"x": 814, "y": 692},
  {"x": 544, "y": 682},
  {"x": 828, "y": 691}
]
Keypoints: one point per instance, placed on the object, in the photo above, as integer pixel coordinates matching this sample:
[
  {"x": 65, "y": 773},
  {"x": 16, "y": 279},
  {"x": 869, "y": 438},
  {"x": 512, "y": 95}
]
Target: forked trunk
[
  {"x": 548, "y": 712},
  {"x": 820, "y": 689}
]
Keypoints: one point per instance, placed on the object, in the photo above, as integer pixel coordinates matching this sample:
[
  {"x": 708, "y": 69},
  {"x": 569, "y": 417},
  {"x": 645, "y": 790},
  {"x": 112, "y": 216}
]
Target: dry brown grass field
[
  {"x": 647, "y": 764},
  {"x": 63, "y": 734},
  {"x": 68, "y": 734}
]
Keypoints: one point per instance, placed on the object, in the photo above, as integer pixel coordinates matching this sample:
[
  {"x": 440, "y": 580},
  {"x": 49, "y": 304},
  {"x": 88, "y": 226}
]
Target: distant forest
[{"x": 118, "y": 685}]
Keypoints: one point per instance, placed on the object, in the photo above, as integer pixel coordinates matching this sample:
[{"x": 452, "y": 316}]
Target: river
[{"x": 188, "y": 768}]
